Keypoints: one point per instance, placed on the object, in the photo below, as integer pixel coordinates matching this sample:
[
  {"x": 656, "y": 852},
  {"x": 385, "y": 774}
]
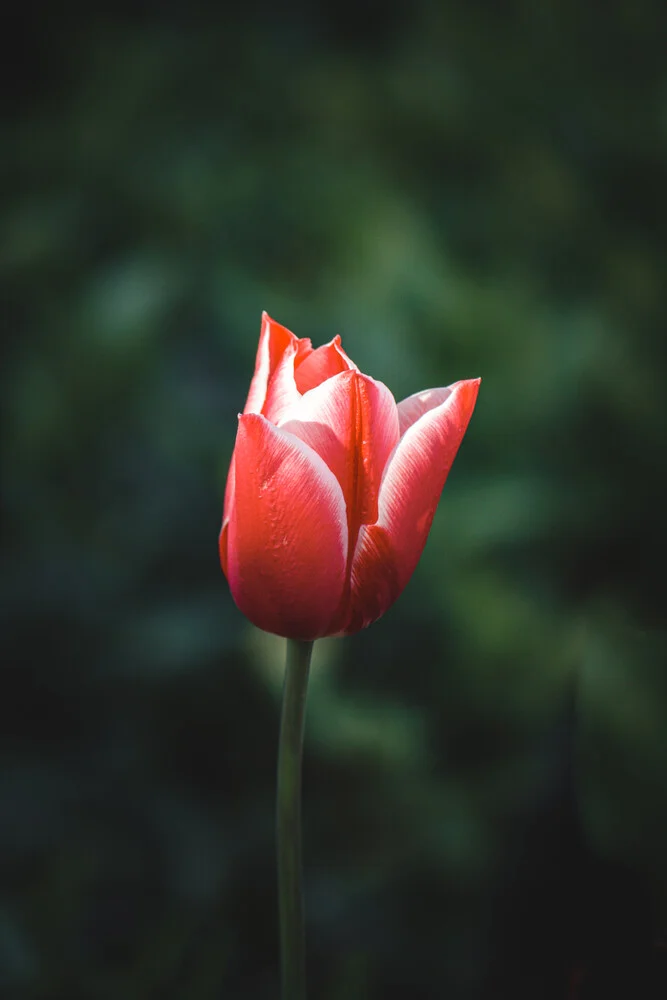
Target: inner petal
[
  {"x": 274, "y": 340},
  {"x": 351, "y": 421},
  {"x": 321, "y": 364},
  {"x": 415, "y": 406},
  {"x": 282, "y": 395}
]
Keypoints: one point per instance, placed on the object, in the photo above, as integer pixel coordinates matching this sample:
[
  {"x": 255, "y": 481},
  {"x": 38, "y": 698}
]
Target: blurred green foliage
[{"x": 458, "y": 190}]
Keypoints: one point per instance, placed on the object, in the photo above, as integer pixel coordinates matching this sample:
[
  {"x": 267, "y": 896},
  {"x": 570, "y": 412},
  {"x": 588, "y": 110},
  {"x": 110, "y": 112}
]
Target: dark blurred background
[{"x": 458, "y": 189}]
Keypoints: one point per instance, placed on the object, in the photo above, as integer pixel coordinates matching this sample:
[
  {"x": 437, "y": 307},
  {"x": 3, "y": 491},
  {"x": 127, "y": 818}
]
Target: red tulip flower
[{"x": 332, "y": 487}]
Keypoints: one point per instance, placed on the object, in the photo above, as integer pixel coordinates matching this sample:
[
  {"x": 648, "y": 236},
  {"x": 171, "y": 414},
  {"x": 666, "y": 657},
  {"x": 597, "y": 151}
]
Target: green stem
[{"x": 288, "y": 821}]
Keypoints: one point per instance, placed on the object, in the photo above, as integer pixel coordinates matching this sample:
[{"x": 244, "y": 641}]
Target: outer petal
[
  {"x": 226, "y": 513},
  {"x": 321, "y": 364},
  {"x": 286, "y": 538},
  {"x": 386, "y": 553},
  {"x": 351, "y": 421}
]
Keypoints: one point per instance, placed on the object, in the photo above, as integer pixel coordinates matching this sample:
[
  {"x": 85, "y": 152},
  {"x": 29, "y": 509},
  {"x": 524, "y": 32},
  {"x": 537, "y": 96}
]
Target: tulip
[
  {"x": 332, "y": 487},
  {"x": 330, "y": 496}
]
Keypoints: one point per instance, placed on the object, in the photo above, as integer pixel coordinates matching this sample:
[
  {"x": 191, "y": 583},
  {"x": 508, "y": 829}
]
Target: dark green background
[{"x": 459, "y": 189}]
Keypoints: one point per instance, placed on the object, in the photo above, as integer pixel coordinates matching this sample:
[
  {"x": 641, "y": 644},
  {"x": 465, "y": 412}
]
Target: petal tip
[{"x": 469, "y": 387}]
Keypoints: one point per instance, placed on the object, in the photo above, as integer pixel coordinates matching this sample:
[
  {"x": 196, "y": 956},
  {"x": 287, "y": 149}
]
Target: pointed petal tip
[
  {"x": 467, "y": 391},
  {"x": 474, "y": 384},
  {"x": 266, "y": 318}
]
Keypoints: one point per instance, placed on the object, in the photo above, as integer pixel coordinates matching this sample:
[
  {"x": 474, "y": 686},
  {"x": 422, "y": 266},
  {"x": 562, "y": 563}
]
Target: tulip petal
[
  {"x": 274, "y": 340},
  {"x": 226, "y": 514},
  {"x": 286, "y": 538},
  {"x": 282, "y": 395},
  {"x": 387, "y": 552},
  {"x": 351, "y": 421},
  {"x": 321, "y": 364},
  {"x": 414, "y": 407}
]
